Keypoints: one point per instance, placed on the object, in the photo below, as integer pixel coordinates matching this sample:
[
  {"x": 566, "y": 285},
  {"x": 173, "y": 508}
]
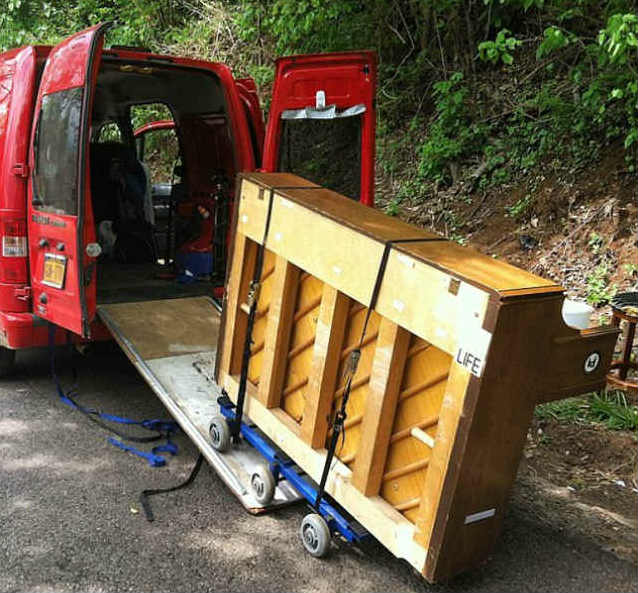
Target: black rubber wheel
[{"x": 7, "y": 361}]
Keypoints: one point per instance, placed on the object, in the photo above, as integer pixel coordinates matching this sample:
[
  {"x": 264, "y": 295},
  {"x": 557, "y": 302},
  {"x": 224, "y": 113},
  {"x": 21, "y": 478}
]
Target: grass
[{"x": 609, "y": 408}]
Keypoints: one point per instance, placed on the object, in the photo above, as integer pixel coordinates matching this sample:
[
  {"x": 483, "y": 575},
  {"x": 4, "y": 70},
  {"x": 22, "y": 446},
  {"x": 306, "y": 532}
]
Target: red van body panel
[
  {"x": 27, "y": 233},
  {"x": 71, "y": 65},
  {"x": 249, "y": 96},
  {"x": 18, "y": 78}
]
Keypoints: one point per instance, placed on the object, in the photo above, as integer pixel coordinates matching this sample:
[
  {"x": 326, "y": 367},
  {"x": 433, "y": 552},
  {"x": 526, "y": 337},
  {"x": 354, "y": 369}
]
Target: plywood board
[{"x": 168, "y": 327}]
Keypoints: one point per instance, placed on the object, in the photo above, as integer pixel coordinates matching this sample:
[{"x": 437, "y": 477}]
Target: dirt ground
[
  {"x": 552, "y": 236},
  {"x": 588, "y": 477}
]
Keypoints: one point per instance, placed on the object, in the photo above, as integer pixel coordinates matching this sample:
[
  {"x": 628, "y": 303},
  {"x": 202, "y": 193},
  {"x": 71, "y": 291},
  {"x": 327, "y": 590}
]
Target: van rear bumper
[{"x": 26, "y": 330}]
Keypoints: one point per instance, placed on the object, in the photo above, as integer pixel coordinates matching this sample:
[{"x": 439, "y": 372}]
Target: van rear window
[
  {"x": 326, "y": 151},
  {"x": 57, "y": 144}
]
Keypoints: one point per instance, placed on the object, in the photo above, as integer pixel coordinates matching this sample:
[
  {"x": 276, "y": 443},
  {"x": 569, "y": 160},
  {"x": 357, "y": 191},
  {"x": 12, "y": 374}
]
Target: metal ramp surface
[{"x": 173, "y": 343}]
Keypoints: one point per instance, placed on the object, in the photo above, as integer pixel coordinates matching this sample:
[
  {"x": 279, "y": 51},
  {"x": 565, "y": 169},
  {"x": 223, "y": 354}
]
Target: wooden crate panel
[
  {"x": 261, "y": 318},
  {"x": 458, "y": 350},
  {"x": 340, "y": 257},
  {"x": 349, "y": 445},
  {"x": 300, "y": 352},
  {"x": 422, "y": 389}
]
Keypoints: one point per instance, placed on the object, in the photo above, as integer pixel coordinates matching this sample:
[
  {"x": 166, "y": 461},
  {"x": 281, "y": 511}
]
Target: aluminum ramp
[{"x": 173, "y": 343}]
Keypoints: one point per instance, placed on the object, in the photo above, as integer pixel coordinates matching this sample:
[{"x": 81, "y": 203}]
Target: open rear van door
[
  {"x": 321, "y": 124},
  {"x": 62, "y": 244},
  {"x": 250, "y": 99}
]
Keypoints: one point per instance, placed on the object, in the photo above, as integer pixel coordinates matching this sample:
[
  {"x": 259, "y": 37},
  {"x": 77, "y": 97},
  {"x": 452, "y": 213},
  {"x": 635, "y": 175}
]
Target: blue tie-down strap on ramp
[
  {"x": 163, "y": 429},
  {"x": 153, "y": 458}
]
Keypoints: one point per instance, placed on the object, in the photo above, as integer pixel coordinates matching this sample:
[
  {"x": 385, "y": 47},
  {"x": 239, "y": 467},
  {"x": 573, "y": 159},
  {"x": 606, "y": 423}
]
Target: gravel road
[{"x": 70, "y": 521}]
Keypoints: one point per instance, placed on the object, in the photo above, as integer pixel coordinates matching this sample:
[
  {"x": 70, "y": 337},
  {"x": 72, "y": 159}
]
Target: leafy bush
[
  {"x": 500, "y": 49},
  {"x": 452, "y": 135},
  {"x": 599, "y": 291},
  {"x": 460, "y": 83}
]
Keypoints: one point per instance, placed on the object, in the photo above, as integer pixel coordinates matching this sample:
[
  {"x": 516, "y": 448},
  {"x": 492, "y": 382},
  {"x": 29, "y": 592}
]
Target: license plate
[{"x": 54, "y": 270}]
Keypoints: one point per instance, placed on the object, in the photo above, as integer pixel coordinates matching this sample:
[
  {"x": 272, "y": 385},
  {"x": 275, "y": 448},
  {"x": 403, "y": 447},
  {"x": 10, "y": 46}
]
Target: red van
[{"x": 83, "y": 221}]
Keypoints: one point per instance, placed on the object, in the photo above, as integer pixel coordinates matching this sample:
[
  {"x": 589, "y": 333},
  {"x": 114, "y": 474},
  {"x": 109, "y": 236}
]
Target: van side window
[
  {"x": 159, "y": 151},
  {"x": 57, "y": 144},
  {"x": 157, "y": 148}
]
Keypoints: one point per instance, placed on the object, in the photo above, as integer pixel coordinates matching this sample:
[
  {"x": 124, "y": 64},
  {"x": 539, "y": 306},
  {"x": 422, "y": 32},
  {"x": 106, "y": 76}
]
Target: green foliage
[
  {"x": 452, "y": 135},
  {"x": 500, "y": 49},
  {"x": 305, "y": 25},
  {"x": 149, "y": 112},
  {"x": 393, "y": 207},
  {"x": 595, "y": 242},
  {"x": 554, "y": 38},
  {"x": 619, "y": 46},
  {"x": 631, "y": 270},
  {"x": 619, "y": 38},
  {"x": 445, "y": 100},
  {"x": 599, "y": 291},
  {"x": 572, "y": 409},
  {"x": 520, "y": 207},
  {"x": 607, "y": 407},
  {"x": 613, "y": 410},
  {"x": 30, "y": 21}
]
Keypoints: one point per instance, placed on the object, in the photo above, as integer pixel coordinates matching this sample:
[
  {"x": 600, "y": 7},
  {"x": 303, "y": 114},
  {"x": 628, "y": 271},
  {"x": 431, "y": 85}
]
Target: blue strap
[
  {"x": 160, "y": 425},
  {"x": 153, "y": 460},
  {"x": 164, "y": 428},
  {"x": 168, "y": 447}
]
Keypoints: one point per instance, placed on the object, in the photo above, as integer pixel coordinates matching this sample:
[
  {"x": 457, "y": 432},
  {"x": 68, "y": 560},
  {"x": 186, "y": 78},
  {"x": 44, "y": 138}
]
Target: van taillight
[{"x": 14, "y": 238}]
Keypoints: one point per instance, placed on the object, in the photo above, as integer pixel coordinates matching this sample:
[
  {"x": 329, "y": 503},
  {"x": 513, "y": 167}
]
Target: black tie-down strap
[
  {"x": 253, "y": 298},
  {"x": 146, "y": 503},
  {"x": 352, "y": 364}
]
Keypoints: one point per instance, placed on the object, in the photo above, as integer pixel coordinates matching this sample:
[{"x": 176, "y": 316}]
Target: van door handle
[{"x": 20, "y": 170}]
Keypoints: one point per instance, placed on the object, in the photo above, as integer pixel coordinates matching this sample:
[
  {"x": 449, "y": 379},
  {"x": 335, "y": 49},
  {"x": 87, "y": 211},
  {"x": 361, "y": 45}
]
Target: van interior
[{"x": 162, "y": 165}]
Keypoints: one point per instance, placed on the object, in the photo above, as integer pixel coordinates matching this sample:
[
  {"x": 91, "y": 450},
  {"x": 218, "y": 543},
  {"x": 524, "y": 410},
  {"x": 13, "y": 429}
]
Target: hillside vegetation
[
  {"x": 511, "y": 125},
  {"x": 502, "y": 83}
]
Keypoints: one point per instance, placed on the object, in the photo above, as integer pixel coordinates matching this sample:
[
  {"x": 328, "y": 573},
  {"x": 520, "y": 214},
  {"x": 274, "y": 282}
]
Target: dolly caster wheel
[
  {"x": 315, "y": 535},
  {"x": 263, "y": 484},
  {"x": 219, "y": 434}
]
